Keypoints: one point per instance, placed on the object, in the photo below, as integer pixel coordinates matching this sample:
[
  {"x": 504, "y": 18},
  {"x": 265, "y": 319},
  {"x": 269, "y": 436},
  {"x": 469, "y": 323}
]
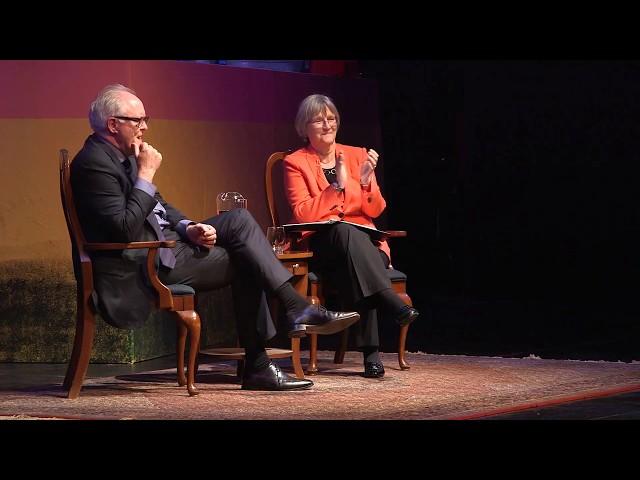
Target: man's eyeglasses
[
  {"x": 137, "y": 120},
  {"x": 319, "y": 122}
]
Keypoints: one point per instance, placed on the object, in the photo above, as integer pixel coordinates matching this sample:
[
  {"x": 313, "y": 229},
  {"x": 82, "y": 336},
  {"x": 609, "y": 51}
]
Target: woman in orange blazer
[{"x": 328, "y": 181}]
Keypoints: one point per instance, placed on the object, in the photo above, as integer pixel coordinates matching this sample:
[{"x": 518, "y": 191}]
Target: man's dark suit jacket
[{"x": 111, "y": 210}]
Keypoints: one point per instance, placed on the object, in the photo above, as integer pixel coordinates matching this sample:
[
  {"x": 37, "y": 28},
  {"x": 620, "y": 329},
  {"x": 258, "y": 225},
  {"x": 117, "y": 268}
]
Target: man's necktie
[
  {"x": 127, "y": 168},
  {"x": 167, "y": 258}
]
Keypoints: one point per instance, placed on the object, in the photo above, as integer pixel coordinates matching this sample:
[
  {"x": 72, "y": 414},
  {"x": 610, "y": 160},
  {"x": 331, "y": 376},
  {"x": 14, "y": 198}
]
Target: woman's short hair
[
  {"x": 310, "y": 107},
  {"x": 106, "y": 104}
]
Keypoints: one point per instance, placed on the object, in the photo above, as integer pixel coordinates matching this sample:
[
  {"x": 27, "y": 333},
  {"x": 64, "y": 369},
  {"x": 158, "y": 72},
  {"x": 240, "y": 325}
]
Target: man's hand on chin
[{"x": 148, "y": 159}]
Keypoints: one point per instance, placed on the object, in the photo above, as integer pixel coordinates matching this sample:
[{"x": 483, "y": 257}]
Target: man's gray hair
[{"x": 106, "y": 104}]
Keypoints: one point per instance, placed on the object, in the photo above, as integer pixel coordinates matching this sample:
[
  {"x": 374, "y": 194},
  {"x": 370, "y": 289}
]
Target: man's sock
[
  {"x": 371, "y": 354},
  {"x": 256, "y": 358},
  {"x": 293, "y": 303}
]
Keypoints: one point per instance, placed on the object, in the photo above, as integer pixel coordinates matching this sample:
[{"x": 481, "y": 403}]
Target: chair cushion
[
  {"x": 396, "y": 275},
  {"x": 180, "y": 289}
]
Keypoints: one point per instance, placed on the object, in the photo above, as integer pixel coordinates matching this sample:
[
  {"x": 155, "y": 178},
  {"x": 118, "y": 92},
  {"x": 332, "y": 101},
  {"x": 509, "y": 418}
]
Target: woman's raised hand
[
  {"x": 342, "y": 173},
  {"x": 368, "y": 166}
]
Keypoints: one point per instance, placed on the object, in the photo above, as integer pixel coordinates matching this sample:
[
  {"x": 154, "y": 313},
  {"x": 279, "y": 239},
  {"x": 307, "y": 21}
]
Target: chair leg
[
  {"x": 77, "y": 344},
  {"x": 401, "y": 290},
  {"x": 401, "y": 348},
  {"x": 312, "y": 368},
  {"x": 181, "y": 340},
  {"x": 81, "y": 354},
  {"x": 295, "y": 357},
  {"x": 191, "y": 320},
  {"x": 75, "y": 353},
  {"x": 339, "y": 355},
  {"x": 315, "y": 294}
]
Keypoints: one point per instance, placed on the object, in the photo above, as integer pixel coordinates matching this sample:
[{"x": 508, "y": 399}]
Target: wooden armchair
[
  {"x": 178, "y": 299},
  {"x": 274, "y": 189}
]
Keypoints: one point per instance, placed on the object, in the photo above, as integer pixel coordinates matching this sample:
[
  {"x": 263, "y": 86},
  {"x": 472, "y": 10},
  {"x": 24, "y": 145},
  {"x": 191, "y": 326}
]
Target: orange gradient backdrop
[{"x": 214, "y": 125}]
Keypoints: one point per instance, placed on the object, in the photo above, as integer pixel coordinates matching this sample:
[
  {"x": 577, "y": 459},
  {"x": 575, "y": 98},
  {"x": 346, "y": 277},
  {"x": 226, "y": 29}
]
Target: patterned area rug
[{"x": 436, "y": 387}]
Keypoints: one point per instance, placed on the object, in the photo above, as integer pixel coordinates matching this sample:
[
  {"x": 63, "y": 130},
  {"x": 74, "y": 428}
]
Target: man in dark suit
[{"x": 112, "y": 177}]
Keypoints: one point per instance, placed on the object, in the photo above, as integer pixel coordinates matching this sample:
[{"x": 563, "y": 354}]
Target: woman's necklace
[{"x": 331, "y": 170}]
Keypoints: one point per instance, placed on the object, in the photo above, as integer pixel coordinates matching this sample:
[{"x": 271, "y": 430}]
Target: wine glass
[{"x": 277, "y": 238}]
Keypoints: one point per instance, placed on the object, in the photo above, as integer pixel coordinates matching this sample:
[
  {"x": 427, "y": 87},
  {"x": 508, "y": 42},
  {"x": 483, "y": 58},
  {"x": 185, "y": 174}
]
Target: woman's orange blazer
[{"x": 311, "y": 200}]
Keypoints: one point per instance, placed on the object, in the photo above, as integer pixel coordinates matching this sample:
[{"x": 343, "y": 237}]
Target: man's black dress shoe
[
  {"x": 406, "y": 316},
  {"x": 317, "y": 319},
  {"x": 373, "y": 370},
  {"x": 272, "y": 378}
]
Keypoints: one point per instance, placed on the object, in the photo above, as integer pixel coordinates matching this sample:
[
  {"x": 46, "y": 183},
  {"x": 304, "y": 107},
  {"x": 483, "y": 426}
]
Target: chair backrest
[
  {"x": 81, "y": 259},
  {"x": 279, "y": 208}
]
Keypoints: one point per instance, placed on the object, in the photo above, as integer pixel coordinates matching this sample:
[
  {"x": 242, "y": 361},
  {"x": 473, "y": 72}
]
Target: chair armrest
[
  {"x": 165, "y": 299},
  {"x": 397, "y": 233},
  {"x": 93, "y": 247}
]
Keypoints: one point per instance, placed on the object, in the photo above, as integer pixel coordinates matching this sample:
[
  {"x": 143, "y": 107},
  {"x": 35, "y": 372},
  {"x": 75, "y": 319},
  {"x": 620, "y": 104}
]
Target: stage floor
[{"x": 446, "y": 387}]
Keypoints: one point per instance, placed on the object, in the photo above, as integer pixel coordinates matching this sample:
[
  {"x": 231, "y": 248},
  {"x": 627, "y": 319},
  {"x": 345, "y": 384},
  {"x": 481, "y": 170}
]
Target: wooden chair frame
[{"x": 182, "y": 306}]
